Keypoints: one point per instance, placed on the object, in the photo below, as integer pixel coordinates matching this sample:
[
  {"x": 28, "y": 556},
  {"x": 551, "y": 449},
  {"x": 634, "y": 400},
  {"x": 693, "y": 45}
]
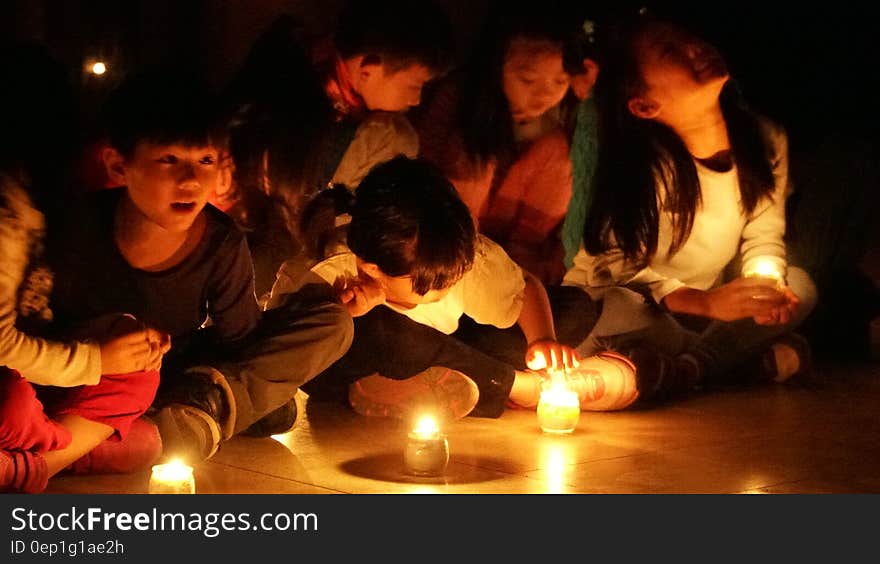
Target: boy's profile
[{"x": 333, "y": 111}]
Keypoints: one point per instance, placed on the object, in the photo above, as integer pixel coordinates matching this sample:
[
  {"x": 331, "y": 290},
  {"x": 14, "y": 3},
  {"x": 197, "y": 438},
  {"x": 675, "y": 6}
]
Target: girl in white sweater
[{"x": 689, "y": 206}]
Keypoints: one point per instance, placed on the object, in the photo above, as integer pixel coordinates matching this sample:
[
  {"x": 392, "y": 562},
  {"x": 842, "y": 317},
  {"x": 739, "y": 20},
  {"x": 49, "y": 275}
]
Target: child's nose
[{"x": 187, "y": 174}]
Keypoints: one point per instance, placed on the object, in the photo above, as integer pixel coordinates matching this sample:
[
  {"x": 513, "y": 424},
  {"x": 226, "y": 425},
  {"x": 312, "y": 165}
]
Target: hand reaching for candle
[
  {"x": 547, "y": 353},
  {"x": 360, "y": 296}
]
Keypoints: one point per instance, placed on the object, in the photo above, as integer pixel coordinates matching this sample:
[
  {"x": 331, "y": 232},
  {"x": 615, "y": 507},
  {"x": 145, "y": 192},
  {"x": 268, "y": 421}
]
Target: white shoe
[
  {"x": 604, "y": 382},
  {"x": 447, "y": 392}
]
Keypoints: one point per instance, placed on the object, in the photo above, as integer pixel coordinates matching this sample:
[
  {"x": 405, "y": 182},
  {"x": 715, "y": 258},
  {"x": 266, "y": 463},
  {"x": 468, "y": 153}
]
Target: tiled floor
[{"x": 822, "y": 436}]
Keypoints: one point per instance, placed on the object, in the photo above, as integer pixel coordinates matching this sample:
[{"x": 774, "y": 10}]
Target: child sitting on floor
[{"x": 155, "y": 249}]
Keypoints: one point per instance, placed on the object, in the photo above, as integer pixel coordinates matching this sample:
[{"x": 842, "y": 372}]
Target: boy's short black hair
[
  {"x": 408, "y": 220},
  {"x": 396, "y": 33},
  {"x": 163, "y": 106}
]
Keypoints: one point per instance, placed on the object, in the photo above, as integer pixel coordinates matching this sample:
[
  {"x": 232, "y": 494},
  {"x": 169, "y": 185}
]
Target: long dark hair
[
  {"x": 483, "y": 114},
  {"x": 639, "y": 157},
  {"x": 279, "y": 119}
]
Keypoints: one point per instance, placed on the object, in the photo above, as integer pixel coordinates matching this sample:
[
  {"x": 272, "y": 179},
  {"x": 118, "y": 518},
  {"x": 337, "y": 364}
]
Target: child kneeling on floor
[{"x": 410, "y": 270}]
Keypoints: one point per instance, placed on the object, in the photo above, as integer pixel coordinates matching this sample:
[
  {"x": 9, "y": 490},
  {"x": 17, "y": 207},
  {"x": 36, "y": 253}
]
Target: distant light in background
[{"x": 98, "y": 68}]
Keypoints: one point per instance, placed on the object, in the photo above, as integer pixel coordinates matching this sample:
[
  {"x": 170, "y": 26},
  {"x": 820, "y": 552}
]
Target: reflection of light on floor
[
  {"x": 285, "y": 439},
  {"x": 754, "y": 482},
  {"x": 425, "y": 490},
  {"x": 556, "y": 460}
]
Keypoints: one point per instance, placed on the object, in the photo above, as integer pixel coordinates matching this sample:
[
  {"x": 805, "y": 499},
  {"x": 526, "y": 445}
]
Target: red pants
[{"x": 116, "y": 400}]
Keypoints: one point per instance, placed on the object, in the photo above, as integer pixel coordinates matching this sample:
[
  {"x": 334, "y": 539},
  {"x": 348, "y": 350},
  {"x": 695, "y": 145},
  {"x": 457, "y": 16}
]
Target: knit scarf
[{"x": 584, "y": 156}]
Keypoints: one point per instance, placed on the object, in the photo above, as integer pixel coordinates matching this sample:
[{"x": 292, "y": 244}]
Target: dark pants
[
  {"x": 725, "y": 346},
  {"x": 393, "y": 345},
  {"x": 292, "y": 344}
]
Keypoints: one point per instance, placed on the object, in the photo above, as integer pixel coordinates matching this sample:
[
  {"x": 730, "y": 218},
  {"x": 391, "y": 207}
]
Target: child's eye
[
  {"x": 168, "y": 159},
  {"x": 207, "y": 160},
  {"x": 527, "y": 81}
]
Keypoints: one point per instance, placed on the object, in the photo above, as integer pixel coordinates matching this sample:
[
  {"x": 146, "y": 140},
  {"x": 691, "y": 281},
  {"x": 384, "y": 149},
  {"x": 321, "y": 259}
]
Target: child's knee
[
  {"x": 804, "y": 288},
  {"x": 133, "y": 392}
]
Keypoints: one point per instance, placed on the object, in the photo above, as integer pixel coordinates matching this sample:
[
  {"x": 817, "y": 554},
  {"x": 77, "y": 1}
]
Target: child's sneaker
[
  {"x": 787, "y": 357},
  {"x": 604, "y": 382},
  {"x": 282, "y": 420},
  {"x": 438, "y": 389},
  {"x": 197, "y": 413},
  {"x": 141, "y": 448},
  {"x": 22, "y": 471}
]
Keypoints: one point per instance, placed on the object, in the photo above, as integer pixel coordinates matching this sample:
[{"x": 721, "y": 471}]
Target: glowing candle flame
[
  {"x": 426, "y": 427},
  {"x": 173, "y": 477},
  {"x": 427, "y": 450},
  {"x": 765, "y": 268},
  {"x": 559, "y": 407},
  {"x": 99, "y": 68}
]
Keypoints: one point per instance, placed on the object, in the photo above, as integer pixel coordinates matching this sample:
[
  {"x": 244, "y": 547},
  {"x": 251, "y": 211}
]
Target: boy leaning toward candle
[{"x": 411, "y": 271}]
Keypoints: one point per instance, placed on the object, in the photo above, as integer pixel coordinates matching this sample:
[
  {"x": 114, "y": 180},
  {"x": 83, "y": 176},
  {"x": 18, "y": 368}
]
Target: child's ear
[
  {"x": 371, "y": 269},
  {"x": 114, "y": 162},
  {"x": 582, "y": 84},
  {"x": 643, "y": 108}
]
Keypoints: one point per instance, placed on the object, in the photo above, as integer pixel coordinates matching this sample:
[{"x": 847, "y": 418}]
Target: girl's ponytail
[{"x": 317, "y": 225}]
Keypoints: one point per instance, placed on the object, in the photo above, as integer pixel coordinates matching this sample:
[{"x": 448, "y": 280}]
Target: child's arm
[
  {"x": 232, "y": 301},
  {"x": 536, "y": 322},
  {"x": 762, "y": 235},
  {"x": 498, "y": 292},
  {"x": 42, "y": 361}
]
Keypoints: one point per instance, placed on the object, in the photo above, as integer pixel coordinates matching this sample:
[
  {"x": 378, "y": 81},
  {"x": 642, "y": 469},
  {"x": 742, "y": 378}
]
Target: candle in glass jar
[
  {"x": 765, "y": 268},
  {"x": 558, "y": 409},
  {"x": 175, "y": 477},
  {"x": 427, "y": 450}
]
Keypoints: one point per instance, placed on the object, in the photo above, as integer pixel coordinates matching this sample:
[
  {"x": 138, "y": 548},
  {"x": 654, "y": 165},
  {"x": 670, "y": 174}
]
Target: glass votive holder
[
  {"x": 175, "y": 477},
  {"x": 427, "y": 450},
  {"x": 558, "y": 410},
  {"x": 766, "y": 269}
]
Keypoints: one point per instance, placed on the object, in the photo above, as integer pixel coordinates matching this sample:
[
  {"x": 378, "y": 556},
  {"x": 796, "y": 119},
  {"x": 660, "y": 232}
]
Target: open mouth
[
  {"x": 709, "y": 67},
  {"x": 183, "y": 207}
]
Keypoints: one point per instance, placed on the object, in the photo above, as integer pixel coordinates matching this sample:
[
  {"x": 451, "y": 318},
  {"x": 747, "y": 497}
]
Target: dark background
[{"x": 811, "y": 69}]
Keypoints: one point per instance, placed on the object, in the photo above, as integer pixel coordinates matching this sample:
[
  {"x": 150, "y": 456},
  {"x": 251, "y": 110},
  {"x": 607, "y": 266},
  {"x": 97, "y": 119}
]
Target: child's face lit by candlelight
[{"x": 169, "y": 184}]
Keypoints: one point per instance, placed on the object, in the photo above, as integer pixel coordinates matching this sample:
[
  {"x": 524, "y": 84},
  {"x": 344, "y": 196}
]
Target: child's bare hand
[
  {"x": 547, "y": 353},
  {"x": 361, "y": 297},
  {"x": 782, "y": 314},
  {"x": 134, "y": 352},
  {"x": 757, "y": 298}
]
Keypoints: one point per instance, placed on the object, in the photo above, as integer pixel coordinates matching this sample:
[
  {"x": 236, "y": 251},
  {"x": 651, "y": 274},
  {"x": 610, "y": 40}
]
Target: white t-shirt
[
  {"x": 491, "y": 293},
  {"x": 721, "y": 230}
]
